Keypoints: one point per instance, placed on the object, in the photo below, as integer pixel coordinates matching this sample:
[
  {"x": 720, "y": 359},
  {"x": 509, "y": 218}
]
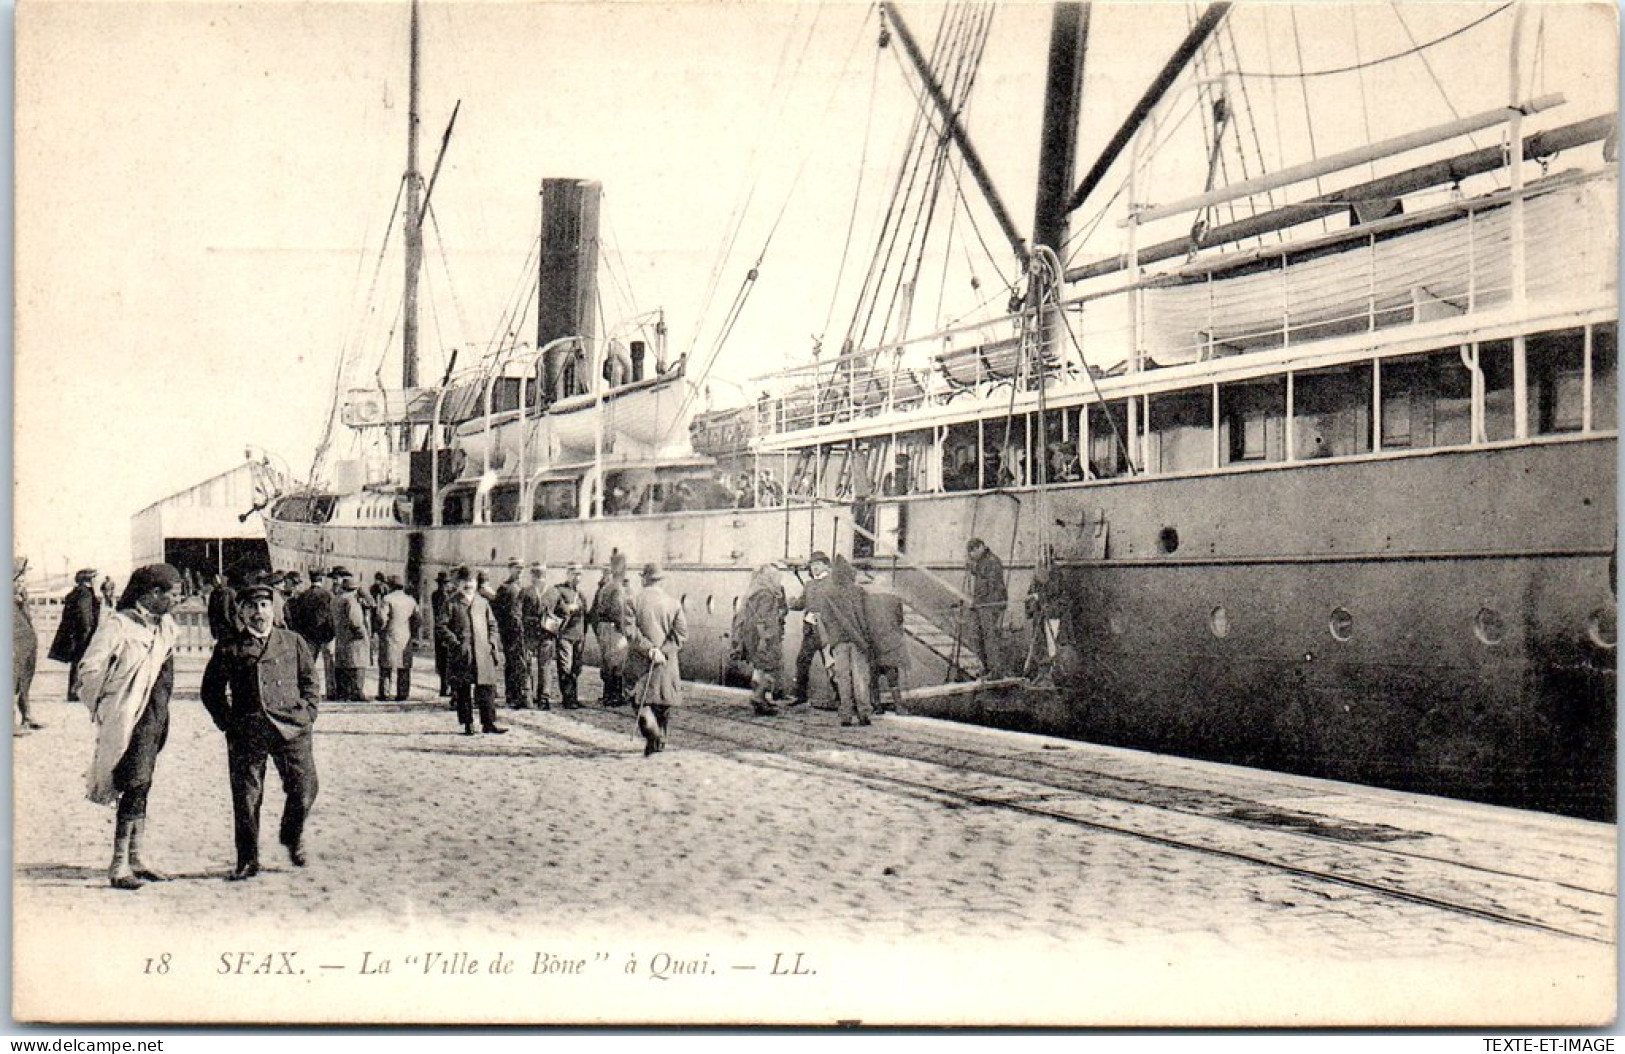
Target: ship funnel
[{"x": 566, "y": 291}]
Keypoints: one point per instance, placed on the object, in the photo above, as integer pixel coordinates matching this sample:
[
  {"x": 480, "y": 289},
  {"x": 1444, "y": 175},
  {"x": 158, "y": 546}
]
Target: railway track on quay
[{"x": 1239, "y": 814}]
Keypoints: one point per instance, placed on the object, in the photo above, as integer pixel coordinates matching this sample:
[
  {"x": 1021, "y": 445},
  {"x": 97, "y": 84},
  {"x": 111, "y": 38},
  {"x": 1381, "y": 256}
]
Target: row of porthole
[{"x": 1489, "y": 626}]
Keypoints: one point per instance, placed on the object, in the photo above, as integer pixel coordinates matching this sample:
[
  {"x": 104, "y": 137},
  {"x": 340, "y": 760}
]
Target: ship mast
[{"x": 414, "y": 226}]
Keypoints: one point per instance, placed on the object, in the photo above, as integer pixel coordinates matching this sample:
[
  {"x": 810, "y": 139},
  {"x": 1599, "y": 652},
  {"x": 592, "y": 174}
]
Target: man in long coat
[
  {"x": 655, "y": 642},
  {"x": 128, "y": 673},
  {"x": 611, "y": 618},
  {"x": 310, "y": 614},
  {"x": 988, "y": 602},
  {"x": 351, "y": 644},
  {"x": 473, "y": 654},
  {"x": 506, "y": 607},
  {"x": 399, "y": 614},
  {"x": 541, "y": 673},
  {"x": 260, "y": 689},
  {"x": 80, "y": 614},
  {"x": 437, "y": 609},
  {"x": 844, "y": 630},
  {"x": 883, "y": 615}
]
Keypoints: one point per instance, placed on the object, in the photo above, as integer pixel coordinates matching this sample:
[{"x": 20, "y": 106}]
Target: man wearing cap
[
  {"x": 437, "y": 610},
  {"x": 80, "y": 614},
  {"x": 506, "y": 607},
  {"x": 565, "y": 604},
  {"x": 988, "y": 603},
  {"x": 473, "y": 654},
  {"x": 811, "y": 647},
  {"x": 260, "y": 689},
  {"x": 128, "y": 672},
  {"x": 351, "y": 653},
  {"x": 399, "y": 614},
  {"x": 655, "y": 640},
  {"x": 310, "y": 614},
  {"x": 611, "y": 618},
  {"x": 221, "y": 608},
  {"x": 540, "y": 668}
]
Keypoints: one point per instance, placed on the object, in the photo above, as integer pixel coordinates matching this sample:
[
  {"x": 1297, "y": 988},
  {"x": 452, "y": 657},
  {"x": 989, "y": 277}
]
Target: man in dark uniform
[
  {"x": 80, "y": 613},
  {"x": 988, "y": 602},
  {"x": 506, "y": 606},
  {"x": 310, "y": 614},
  {"x": 437, "y": 607},
  {"x": 473, "y": 653},
  {"x": 221, "y": 608},
  {"x": 260, "y": 688},
  {"x": 818, "y": 567}
]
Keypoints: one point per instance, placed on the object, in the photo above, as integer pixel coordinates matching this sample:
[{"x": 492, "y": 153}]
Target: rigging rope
[{"x": 1415, "y": 50}]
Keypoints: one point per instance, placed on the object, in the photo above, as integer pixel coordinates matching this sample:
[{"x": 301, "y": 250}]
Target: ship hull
[{"x": 1441, "y": 621}]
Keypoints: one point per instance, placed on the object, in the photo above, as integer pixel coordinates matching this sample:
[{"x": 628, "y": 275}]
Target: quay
[{"x": 791, "y": 871}]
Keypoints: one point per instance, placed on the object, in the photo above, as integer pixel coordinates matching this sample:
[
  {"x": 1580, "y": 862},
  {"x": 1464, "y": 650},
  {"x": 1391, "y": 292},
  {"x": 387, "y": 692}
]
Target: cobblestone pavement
[{"x": 924, "y": 873}]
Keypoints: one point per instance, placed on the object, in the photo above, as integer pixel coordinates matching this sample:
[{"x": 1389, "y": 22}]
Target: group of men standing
[{"x": 534, "y": 634}]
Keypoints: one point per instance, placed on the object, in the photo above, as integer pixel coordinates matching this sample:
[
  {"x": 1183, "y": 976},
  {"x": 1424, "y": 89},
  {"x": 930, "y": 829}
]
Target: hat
[
  {"x": 818, "y": 556},
  {"x": 293, "y": 578},
  {"x": 975, "y": 543},
  {"x": 317, "y": 572},
  {"x": 84, "y": 575},
  {"x": 145, "y": 579},
  {"x": 340, "y": 572},
  {"x": 513, "y": 561},
  {"x": 441, "y": 577},
  {"x": 652, "y": 573},
  {"x": 248, "y": 594}
]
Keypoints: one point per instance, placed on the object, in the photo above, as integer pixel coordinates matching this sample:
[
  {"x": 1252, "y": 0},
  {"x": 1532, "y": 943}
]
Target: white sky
[{"x": 202, "y": 188}]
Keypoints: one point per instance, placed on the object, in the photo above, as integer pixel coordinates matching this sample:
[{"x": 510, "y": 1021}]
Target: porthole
[
  {"x": 1603, "y": 628},
  {"x": 682, "y": 601},
  {"x": 1341, "y": 624},
  {"x": 1168, "y": 540},
  {"x": 1114, "y": 623},
  {"x": 1489, "y": 626},
  {"x": 1219, "y": 622},
  {"x": 710, "y": 605}
]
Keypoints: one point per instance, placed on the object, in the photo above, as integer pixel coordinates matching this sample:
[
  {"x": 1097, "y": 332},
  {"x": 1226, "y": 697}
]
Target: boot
[
  {"x": 119, "y": 873},
  {"x": 138, "y": 831}
]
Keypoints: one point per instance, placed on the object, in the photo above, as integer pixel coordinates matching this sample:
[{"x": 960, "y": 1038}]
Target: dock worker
[
  {"x": 818, "y": 567},
  {"x": 888, "y": 657},
  {"x": 759, "y": 634},
  {"x": 128, "y": 673},
  {"x": 260, "y": 689},
  {"x": 988, "y": 601},
  {"x": 844, "y": 630}
]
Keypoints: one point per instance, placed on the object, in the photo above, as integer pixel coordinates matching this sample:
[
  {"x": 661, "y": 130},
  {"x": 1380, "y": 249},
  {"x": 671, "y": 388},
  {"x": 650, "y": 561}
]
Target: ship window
[
  {"x": 835, "y": 480},
  {"x": 1251, "y": 416},
  {"x": 1004, "y": 452},
  {"x": 1604, "y": 356},
  {"x": 457, "y": 509},
  {"x": 1341, "y": 624},
  {"x": 1060, "y": 440},
  {"x": 1489, "y": 626},
  {"x": 1495, "y": 363},
  {"x": 908, "y": 474},
  {"x": 959, "y": 470},
  {"x": 1556, "y": 365},
  {"x": 1218, "y": 621},
  {"x": 1179, "y": 431},
  {"x": 505, "y": 504},
  {"x": 1108, "y": 440},
  {"x": 1426, "y": 401},
  {"x": 554, "y": 500},
  {"x": 1331, "y": 412}
]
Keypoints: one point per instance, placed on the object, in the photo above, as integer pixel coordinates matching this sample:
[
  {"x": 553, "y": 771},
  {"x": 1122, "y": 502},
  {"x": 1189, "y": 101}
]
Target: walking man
[
  {"x": 260, "y": 689},
  {"x": 473, "y": 654},
  {"x": 80, "y": 614},
  {"x": 128, "y": 673},
  {"x": 988, "y": 601},
  {"x": 564, "y": 604},
  {"x": 655, "y": 639}
]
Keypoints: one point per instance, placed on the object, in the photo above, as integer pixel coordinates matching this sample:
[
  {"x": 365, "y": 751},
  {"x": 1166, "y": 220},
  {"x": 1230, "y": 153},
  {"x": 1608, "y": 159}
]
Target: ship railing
[{"x": 1447, "y": 262}]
